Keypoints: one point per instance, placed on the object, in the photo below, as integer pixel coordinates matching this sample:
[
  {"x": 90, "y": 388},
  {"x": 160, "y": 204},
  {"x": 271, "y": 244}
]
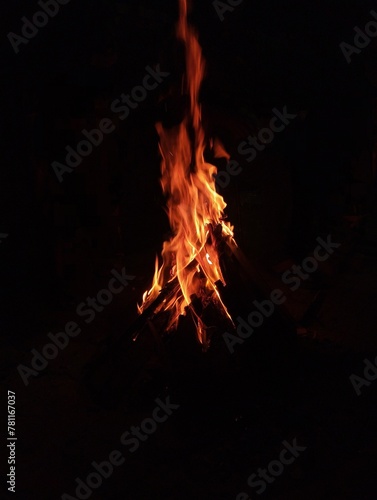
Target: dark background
[{"x": 316, "y": 178}]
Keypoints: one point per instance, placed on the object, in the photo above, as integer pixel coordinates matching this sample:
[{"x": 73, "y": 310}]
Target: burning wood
[{"x": 186, "y": 280}]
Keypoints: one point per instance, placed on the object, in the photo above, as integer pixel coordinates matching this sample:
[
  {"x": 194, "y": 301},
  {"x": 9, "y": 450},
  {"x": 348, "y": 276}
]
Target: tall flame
[{"x": 194, "y": 207}]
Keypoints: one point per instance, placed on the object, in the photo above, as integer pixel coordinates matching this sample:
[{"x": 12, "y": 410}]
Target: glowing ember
[{"x": 194, "y": 208}]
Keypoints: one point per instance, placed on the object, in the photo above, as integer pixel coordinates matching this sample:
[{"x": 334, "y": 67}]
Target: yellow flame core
[{"x": 193, "y": 204}]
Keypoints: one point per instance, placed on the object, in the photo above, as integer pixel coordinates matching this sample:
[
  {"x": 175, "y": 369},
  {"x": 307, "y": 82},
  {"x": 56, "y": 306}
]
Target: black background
[{"x": 64, "y": 238}]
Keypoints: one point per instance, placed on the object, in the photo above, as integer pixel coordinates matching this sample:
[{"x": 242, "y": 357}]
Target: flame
[{"x": 194, "y": 207}]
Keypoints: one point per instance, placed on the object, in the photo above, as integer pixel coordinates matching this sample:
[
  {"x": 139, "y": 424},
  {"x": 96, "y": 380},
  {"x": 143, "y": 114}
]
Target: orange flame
[{"x": 194, "y": 207}]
